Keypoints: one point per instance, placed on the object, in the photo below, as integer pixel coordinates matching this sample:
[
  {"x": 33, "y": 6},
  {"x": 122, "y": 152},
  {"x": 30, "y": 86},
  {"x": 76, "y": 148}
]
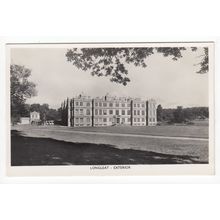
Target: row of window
[
  {"x": 123, "y": 120},
  {"x": 138, "y": 124},
  {"x": 105, "y": 104},
  {"x": 82, "y": 125},
  {"x": 35, "y": 116},
  {"x": 152, "y": 119},
  {"x": 118, "y": 112},
  {"x": 110, "y": 112},
  {"x": 139, "y": 112},
  {"x": 80, "y": 111},
  {"x": 81, "y": 104},
  {"x": 139, "y": 119},
  {"x": 80, "y": 120}
]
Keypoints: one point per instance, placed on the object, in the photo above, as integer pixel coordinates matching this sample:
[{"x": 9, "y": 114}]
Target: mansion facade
[{"x": 84, "y": 111}]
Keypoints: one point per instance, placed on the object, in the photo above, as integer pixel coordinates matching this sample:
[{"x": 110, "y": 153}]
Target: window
[
  {"x": 129, "y": 105},
  {"x": 143, "y": 113},
  {"x": 153, "y": 119},
  {"x": 105, "y": 104},
  {"x": 100, "y": 111},
  {"x": 110, "y": 119},
  {"x": 117, "y": 112},
  {"x": 138, "y": 105},
  {"x": 149, "y": 119},
  {"x": 134, "y": 105},
  {"x": 134, "y": 119},
  {"x": 100, "y": 104},
  {"x": 87, "y": 111},
  {"x": 81, "y": 103},
  {"x": 88, "y": 104},
  {"x": 123, "y": 120},
  {"x": 87, "y": 120},
  {"x": 143, "y": 120},
  {"x": 77, "y": 103},
  {"x": 77, "y": 120},
  {"x": 128, "y": 112},
  {"x": 100, "y": 119},
  {"x": 138, "y": 112},
  {"x": 81, "y": 120},
  {"x": 110, "y": 104},
  {"x": 104, "y": 119},
  {"x": 77, "y": 111},
  {"x": 142, "y": 105},
  {"x": 110, "y": 112},
  {"x": 117, "y": 104},
  {"x": 123, "y": 112},
  {"x": 81, "y": 111},
  {"x": 104, "y": 112},
  {"x": 134, "y": 112},
  {"x": 96, "y": 111},
  {"x": 138, "y": 119},
  {"x": 123, "y": 105},
  {"x": 96, "y": 104}
]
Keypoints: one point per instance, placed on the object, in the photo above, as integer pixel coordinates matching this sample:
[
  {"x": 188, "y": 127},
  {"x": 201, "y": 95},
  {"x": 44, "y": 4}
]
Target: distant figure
[{"x": 34, "y": 118}]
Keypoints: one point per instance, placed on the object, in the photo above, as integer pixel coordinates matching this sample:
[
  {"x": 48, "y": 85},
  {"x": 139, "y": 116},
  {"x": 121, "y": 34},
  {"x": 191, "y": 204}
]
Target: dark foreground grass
[{"x": 27, "y": 151}]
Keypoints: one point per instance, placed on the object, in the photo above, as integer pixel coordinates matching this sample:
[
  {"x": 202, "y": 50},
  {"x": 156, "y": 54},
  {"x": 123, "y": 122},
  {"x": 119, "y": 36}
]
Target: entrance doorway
[{"x": 118, "y": 120}]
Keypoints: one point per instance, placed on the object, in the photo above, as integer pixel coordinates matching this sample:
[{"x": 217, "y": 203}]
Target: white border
[{"x": 158, "y": 170}]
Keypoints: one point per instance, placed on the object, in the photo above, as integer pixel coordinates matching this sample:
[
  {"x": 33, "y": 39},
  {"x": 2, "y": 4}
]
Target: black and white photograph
[{"x": 111, "y": 109}]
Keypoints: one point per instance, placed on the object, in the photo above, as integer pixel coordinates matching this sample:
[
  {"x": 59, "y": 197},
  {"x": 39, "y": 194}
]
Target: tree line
[
  {"x": 181, "y": 115},
  {"x": 22, "y": 89},
  {"x": 46, "y": 113}
]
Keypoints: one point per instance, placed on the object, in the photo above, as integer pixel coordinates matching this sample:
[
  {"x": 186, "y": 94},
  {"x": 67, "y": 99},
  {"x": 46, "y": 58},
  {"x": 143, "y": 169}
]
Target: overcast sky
[{"x": 171, "y": 83}]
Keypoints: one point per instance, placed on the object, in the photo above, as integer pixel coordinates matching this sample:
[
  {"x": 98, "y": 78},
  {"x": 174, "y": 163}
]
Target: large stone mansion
[{"x": 108, "y": 111}]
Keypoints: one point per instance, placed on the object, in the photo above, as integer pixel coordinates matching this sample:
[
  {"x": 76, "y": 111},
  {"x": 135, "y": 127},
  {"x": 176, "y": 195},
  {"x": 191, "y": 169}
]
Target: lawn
[
  {"x": 27, "y": 151},
  {"x": 35, "y": 145},
  {"x": 168, "y": 130}
]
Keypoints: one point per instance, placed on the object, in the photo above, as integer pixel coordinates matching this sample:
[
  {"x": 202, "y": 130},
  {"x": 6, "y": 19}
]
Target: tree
[
  {"x": 159, "y": 113},
  {"x": 167, "y": 115},
  {"x": 21, "y": 89},
  {"x": 179, "y": 115},
  {"x": 46, "y": 113},
  {"x": 42, "y": 109},
  {"x": 110, "y": 62},
  {"x": 53, "y": 114}
]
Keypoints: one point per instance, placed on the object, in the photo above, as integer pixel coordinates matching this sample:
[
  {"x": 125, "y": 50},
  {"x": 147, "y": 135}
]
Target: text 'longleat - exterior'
[{"x": 84, "y": 111}]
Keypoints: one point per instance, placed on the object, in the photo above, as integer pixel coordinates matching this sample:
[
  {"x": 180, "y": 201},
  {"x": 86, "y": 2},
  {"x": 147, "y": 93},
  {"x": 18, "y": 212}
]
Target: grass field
[
  {"x": 36, "y": 145},
  {"x": 175, "y": 131}
]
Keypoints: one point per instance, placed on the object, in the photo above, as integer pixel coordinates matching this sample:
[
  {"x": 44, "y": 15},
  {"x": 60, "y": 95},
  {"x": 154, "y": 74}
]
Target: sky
[{"x": 170, "y": 83}]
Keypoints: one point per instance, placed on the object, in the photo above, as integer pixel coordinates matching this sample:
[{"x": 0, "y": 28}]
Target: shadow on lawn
[{"x": 27, "y": 151}]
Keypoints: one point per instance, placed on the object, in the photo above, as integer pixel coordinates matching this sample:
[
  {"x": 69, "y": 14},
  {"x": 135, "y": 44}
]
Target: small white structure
[
  {"x": 34, "y": 117},
  {"x": 25, "y": 120}
]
